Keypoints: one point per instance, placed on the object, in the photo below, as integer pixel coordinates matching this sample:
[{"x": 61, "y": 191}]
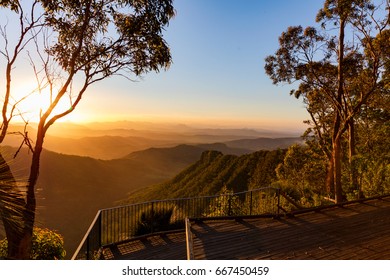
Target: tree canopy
[{"x": 340, "y": 67}]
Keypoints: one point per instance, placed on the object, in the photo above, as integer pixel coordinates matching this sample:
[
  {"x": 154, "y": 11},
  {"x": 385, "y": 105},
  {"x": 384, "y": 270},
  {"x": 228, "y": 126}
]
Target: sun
[{"x": 30, "y": 104}]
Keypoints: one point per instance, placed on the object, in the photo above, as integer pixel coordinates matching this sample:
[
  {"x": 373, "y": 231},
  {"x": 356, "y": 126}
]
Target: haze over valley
[{"x": 113, "y": 140}]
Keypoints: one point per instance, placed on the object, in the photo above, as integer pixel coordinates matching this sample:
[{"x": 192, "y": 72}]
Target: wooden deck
[
  {"x": 166, "y": 246},
  {"x": 357, "y": 231},
  {"x": 354, "y": 231}
]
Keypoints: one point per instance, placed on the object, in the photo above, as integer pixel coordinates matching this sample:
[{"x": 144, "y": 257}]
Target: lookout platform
[{"x": 359, "y": 230}]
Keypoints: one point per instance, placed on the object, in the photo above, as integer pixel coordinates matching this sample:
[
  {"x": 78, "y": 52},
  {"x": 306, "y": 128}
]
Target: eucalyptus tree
[
  {"x": 77, "y": 44},
  {"x": 343, "y": 63}
]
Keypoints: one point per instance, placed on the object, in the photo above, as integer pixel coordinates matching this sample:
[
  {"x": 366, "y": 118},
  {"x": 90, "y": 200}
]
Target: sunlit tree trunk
[
  {"x": 337, "y": 170},
  {"x": 352, "y": 153},
  {"x": 330, "y": 177},
  {"x": 336, "y": 146}
]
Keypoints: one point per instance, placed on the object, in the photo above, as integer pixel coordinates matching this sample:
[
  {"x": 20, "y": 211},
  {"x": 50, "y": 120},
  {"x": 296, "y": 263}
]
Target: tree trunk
[
  {"x": 337, "y": 170},
  {"x": 330, "y": 177},
  {"x": 352, "y": 153},
  {"x": 19, "y": 232},
  {"x": 336, "y": 137},
  {"x": 29, "y": 213}
]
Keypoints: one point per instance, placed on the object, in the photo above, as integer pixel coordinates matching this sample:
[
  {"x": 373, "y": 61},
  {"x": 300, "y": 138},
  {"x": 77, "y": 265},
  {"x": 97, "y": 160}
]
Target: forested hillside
[{"x": 215, "y": 170}]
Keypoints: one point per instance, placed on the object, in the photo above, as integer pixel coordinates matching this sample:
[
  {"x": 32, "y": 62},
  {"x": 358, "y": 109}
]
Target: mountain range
[{"x": 115, "y": 140}]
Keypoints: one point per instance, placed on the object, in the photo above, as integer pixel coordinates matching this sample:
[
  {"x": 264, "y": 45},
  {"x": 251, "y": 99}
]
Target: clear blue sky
[{"x": 217, "y": 76}]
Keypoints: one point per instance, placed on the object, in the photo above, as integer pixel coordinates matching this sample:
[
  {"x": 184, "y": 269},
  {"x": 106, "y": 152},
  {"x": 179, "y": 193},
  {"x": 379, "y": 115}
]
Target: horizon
[{"x": 152, "y": 124}]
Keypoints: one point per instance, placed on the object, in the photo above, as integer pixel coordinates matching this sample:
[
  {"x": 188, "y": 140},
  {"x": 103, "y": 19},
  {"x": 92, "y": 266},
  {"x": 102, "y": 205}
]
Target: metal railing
[{"x": 121, "y": 223}]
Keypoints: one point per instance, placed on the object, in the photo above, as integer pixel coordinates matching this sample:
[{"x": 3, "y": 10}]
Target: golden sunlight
[{"x": 31, "y": 103}]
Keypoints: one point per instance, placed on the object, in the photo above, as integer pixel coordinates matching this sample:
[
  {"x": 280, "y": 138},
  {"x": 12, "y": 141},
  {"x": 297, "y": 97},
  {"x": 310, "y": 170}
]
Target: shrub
[
  {"x": 226, "y": 204},
  {"x": 46, "y": 245},
  {"x": 159, "y": 220}
]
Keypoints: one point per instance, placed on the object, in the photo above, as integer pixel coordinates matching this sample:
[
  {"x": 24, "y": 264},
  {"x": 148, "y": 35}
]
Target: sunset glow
[{"x": 217, "y": 77}]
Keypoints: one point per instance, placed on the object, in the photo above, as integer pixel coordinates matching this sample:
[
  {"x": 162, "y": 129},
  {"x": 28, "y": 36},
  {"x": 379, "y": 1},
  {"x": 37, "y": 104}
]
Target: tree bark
[
  {"x": 337, "y": 169},
  {"x": 330, "y": 177},
  {"x": 29, "y": 213},
  {"x": 336, "y": 137},
  {"x": 352, "y": 153},
  {"x": 19, "y": 219}
]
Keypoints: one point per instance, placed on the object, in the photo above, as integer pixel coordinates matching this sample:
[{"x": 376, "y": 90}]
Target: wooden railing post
[{"x": 189, "y": 241}]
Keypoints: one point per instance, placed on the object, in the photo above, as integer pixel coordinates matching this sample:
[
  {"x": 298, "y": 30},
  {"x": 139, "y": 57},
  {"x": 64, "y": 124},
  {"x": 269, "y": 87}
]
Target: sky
[{"x": 217, "y": 77}]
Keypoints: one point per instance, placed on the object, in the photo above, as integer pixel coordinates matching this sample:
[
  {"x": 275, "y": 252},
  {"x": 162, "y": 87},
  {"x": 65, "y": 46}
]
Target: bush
[
  {"x": 226, "y": 204},
  {"x": 46, "y": 245},
  {"x": 159, "y": 220}
]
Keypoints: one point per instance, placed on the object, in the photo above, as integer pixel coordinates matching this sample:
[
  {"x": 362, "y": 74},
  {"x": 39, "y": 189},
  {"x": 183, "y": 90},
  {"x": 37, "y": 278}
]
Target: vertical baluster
[{"x": 152, "y": 218}]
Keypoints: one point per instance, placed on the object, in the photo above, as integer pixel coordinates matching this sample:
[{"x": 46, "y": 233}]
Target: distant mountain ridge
[
  {"x": 116, "y": 140},
  {"x": 264, "y": 143},
  {"x": 114, "y": 147}
]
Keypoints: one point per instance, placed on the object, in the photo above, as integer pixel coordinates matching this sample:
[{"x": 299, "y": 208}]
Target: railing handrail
[
  {"x": 184, "y": 198},
  {"x": 86, "y": 234}
]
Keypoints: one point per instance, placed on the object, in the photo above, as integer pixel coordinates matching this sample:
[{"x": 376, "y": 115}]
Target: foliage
[
  {"x": 226, "y": 204},
  {"x": 264, "y": 173},
  {"x": 158, "y": 220},
  {"x": 46, "y": 245},
  {"x": 11, "y": 198},
  {"x": 303, "y": 169},
  {"x": 373, "y": 158}
]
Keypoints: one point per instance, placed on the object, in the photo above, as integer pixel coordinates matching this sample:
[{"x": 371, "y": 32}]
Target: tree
[
  {"x": 344, "y": 69},
  {"x": 302, "y": 172},
  {"x": 12, "y": 203},
  {"x": 77, "y": 44}
]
